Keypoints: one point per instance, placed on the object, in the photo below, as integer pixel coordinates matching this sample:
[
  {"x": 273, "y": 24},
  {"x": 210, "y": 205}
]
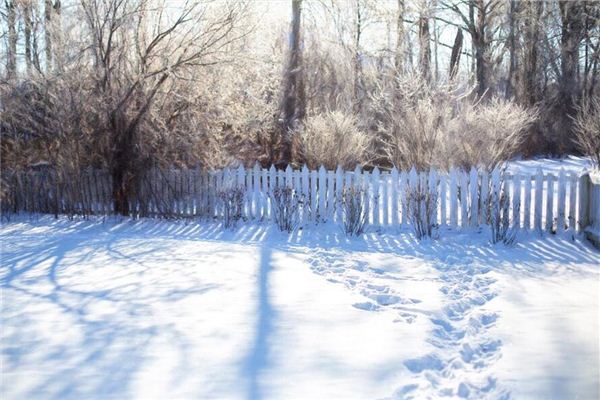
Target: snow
[
  {"x": 553, "y": 166},
  {"x": 167, "y": 309}
]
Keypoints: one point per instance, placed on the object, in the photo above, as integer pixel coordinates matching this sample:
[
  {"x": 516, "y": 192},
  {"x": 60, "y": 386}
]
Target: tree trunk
[
  {"x": 28, "y": 25},
  {"x": 512, "y": 48},
  {"x": 358, "y": 60},
  {"x": 11, "y": 58},
  {"x": 481, "y": 49},
  {"x": 399, "y": 57},
  {"x": 424, "y": 46},
  {"x": 48, "y": 33},
  {"x": 456, "y": 52},
  {"x": 122, "y": 164},
  {"x": 571, "y": 36},
  {"x": 293, "y": 107}
]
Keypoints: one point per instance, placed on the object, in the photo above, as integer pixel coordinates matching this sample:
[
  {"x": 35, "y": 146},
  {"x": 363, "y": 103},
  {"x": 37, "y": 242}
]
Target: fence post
[
  {"x": 588, "y": 221},
  {"x": 584, "y": 189}
]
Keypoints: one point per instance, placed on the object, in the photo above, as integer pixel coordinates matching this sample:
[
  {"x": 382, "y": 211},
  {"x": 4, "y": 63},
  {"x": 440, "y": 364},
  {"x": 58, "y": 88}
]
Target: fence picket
[
  {"x": 474, "y": 198},
  {"x": 402, "y": 187},
  {"x": 322, "y": 186},
  {"x": 527, "y": 202},
  {"x": 384, "y": 198},
  {"x": 464, "y": 199},
  {"x": 272, "y": 185},
  {"x": 549, "y": 203},
  {"x": 539, "y": 191},
  {"x": 313, "y": 196},
  {"x": 443, "y": 202},
  {"x": 560, "y": 210},
  {"x": 516, "y": 201},
  {"x": 432, "y": 187},
  {"x": 394, "y": 196},
  {"x": 411, "y": 188},
  {"x": 453, "y": 198},
  {"x": 339, "y": 176},
  {"x": 572, "y": 180},
  {"x": 376, "y": 196},
  {"x": 330, "y": 195}
]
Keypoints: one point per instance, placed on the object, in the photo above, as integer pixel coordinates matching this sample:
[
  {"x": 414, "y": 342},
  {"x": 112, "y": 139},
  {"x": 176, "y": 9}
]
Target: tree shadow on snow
[{"x": 258, "y": 356}]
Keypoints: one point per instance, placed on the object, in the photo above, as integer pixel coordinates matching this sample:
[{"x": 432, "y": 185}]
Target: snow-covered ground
[
  {"x": 169, "y": 310},
  {"x": 550, "y": 165}
]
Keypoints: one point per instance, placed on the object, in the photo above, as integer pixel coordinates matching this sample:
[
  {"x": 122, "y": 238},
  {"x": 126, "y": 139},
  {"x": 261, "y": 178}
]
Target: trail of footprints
[
  {"x": 464, "y": 347},
  {"x": 369, "y": 282}
]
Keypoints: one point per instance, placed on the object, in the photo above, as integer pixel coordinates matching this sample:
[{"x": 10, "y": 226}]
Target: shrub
[
  {"x": 354, "y": 216},
  {"x": 286, "y": 203},
  {"x": 232, "y": 201},
  {"x": 333, "y": 139},
  {"x": 485, "y": 134},
  {"x": 587, "y": 130},
  {"x": 425, "y": 126},
  {"x": 421, "y": 204},
  {"x": 501, "y": 225}
]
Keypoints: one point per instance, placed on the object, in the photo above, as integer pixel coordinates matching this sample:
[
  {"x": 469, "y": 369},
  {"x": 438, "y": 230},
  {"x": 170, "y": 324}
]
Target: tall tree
[
  {"x": 478, "y": 21},
  {"x": 424, "y": 42},
  {"x": 11, "y": 20},
  {"x": 48, "y": 7},
  {"x": 293, "y": 104},
  {"x": 531, "y": 63},
  {"x": 400, "y": 39},
  {"x": 572, "y": 33},
  {"x": 455, "y": 55}
]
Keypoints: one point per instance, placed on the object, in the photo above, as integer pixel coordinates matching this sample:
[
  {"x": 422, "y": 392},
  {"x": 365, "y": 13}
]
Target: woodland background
[{"x": 122, "y": 85}]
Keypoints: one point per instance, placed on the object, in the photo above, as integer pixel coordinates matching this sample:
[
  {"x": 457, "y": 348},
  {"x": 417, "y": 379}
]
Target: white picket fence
[
  {"x": 544, "y": 202},
  {"x": 541, "y": 202}
]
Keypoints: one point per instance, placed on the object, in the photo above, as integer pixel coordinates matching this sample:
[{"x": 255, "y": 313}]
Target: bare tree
[
  {"x": 400, "y": 39},
  {"x": 293, "y": 104},
  {"x": 11, "y": 21},
  {"x": 133, "y": 71},
  {"x": 455, "y": 55},
  {"x": 478, "y": 20},
  {"x": 424, "y": 42}
]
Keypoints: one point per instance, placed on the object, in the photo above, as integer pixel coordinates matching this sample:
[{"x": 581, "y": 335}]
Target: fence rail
[{"x": 539, "y": 201}]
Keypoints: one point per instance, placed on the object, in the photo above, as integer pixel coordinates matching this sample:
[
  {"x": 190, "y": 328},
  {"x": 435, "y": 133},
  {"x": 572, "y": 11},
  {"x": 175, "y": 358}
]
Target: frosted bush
[
  {"x": 354, "y": 216},
  {"x": 421, "y": 206},
  {"x": 286, "y": 204},
  {"x": 501, "y": 225},
  {"x": 232, "y": 203},
  {"x": 333, "y": 139}
]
